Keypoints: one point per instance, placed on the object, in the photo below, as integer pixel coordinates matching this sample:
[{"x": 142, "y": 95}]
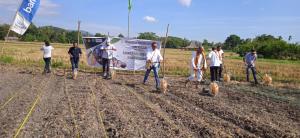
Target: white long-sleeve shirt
[
  {"x": 214, "y": 59},
  {"x": 155, "y": 57}
]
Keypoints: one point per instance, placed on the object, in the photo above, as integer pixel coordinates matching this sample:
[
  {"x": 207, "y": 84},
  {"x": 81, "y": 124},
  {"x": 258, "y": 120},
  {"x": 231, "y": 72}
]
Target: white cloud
[
  {"x": 47, "y": 8},
  {"x": 150, "y": 19},
  {"x": 186, "y": 3}
]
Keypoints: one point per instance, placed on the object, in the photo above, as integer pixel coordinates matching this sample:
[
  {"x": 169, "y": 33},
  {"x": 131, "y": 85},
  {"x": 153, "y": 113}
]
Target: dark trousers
[
  {"x": 75, "y": 63},
  {"x": 47, "y": 68},
  {"x": 155, "y": 71},
  {"x": 253, "y": 69},
  {"x": 214, "y": 73},
  {"x": 106, "y": 64},
  {"x": 220, "y": 71}
]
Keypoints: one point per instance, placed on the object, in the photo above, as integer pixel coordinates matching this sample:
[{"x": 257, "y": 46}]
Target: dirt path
[{"x": 56, "y": 106}]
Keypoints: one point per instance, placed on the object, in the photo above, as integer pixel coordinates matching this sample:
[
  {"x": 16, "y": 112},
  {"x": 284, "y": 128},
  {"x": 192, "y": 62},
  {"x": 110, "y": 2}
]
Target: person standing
[
  {"x": 220, "y": 53},
  {"x": 75, "y": 54},
  {"x": 154, "y": 59},
  {"x": 214, "y": 64},
  {"x": 249, "y": 61},
  {"x": 107, "y": 56},
  {"x": 47, "y": 53},
  {"x": 198, "y": 65}
]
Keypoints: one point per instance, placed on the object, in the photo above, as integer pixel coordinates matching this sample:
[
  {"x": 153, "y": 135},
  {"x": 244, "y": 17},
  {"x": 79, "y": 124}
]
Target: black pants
[
  {"x": 106, "y": 64},
  {"x": 214, "y": 73},
  {"x": 47, "y": 65},
  {"x": 253, "y": 69},
  {"x": 75, "y": 63},
  {"x": 220, "y": 71}
]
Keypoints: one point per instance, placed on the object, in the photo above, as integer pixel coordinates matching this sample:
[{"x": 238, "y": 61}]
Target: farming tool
[{"x": 164, "y": 82}]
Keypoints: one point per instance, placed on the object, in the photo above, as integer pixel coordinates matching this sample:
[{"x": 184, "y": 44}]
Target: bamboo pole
[{"x": 164, "y": 53}]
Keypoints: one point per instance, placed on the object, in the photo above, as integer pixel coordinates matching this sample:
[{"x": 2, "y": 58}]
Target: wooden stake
[{"x": 78, "y": 33}]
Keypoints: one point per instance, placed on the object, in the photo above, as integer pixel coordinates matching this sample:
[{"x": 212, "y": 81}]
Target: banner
[
  {"x": 24, "y": 16},
  {"x": 130, "y": 55}
]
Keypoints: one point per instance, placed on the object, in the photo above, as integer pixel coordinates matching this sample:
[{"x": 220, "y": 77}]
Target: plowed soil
[{"x": 53, "y": 105}]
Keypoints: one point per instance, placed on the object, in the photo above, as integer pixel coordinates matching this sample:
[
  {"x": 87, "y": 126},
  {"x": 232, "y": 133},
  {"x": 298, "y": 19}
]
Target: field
[{"x": 35, "y": 105}]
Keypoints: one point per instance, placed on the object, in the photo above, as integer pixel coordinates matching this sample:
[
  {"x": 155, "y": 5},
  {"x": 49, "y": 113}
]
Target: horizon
[{"x": 194, "y": 20}]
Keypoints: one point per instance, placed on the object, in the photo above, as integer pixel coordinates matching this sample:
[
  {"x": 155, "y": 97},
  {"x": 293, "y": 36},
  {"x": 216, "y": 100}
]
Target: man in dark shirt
[{"x": 75, "y": 53}]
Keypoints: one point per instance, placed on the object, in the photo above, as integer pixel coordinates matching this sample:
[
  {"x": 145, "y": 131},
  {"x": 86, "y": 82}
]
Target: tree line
[{"x": 267, "y": 46}]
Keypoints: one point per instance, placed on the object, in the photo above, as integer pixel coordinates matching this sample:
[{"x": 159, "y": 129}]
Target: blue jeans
[
  {"x": 75, "y": 63},
  {"x": 253, "y": 69},
  {"x": 155, "y": 71}
]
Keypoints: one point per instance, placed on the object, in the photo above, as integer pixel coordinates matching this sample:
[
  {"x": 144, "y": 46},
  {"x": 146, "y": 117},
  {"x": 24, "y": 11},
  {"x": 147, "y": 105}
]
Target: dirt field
[{"x": 34, "y": 105}]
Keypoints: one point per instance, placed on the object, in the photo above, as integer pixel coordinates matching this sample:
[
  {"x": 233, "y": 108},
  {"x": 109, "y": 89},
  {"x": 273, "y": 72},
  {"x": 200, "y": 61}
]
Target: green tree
[
  {"x": 232, "y": 41},
  {"x": 99, "y": 35},
  {"x": 148, "y": 36},
  {"x": 121, "y": 35}
]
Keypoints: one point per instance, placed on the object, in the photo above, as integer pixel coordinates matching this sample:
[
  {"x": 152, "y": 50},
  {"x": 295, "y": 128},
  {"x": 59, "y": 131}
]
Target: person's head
[
  {"x": 218, "y": 48},
  {"x": 253, "y": 51},
  {"x": 154, "y": 45},
  {"x": 75, "y": 44},
  {"x": 213, "y": 48},
  {"x": 200, "y": 50},
  {"x": 47, "y": 43}
]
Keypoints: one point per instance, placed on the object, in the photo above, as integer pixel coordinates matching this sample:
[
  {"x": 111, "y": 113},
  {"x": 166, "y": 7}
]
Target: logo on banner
[{"x": 30, "y": 6}]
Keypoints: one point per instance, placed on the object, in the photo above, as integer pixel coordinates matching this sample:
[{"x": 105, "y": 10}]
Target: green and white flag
[{"x": 129, "y": 5}]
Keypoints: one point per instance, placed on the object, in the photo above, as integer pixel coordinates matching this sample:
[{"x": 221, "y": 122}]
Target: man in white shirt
[
  {"x": 107, "y": 56},
  {"x": 214, "y": 64},
  {"x": 154, "y": 58},
  {"x": 47, "y": 52},
  {"x": 221, "y": 56}
]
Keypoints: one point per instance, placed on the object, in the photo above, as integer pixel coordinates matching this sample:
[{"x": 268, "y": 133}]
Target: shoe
[{"x": 105, "y": 74}]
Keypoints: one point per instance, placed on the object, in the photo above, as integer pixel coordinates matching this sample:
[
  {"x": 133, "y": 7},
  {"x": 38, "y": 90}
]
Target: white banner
[
  {"x": 24, "y": 16},
  {"x": 130, "y": 54},
  {"x": 20, "y": 24}
]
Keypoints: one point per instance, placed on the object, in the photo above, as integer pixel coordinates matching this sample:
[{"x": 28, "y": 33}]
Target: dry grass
[{"x": 177, "y": 62}]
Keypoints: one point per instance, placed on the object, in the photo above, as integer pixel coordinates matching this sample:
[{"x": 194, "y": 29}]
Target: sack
[
  {"x": 226, "y": 78},
  {"x": 214, "y": 89}
]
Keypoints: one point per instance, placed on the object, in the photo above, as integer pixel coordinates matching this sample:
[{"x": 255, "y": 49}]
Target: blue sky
[{"x": 193, "y": 19}]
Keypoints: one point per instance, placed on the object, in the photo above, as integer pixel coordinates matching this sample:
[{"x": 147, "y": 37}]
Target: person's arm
[
  {"x": 70, "y": 53},
  {"x": 161, "y": 59},
  {"x": 80, "y": 52},
  {"x": 42, "y": 49},
  {"x": 193, "y": 63}
]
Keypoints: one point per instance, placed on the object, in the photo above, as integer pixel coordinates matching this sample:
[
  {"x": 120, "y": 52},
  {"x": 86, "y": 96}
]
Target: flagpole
[
  {"x": 128, "y": 33},
  {"x": 7, "y": 35}
]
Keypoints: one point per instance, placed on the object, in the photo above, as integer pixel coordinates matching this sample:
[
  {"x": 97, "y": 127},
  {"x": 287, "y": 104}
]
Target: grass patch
[{"x": 6, "y": 59}]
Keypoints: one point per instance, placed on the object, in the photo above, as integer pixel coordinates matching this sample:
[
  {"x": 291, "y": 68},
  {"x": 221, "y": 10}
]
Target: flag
[
  {"x": 129, "y": 5},
  {"x": 24, "y": 16}
]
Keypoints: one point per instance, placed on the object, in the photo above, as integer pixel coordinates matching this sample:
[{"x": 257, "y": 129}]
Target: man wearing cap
[
  {"x": 107, "y": 56},
  {"x": 154, "y": 58},
  {"x": 249, "y": 61}
]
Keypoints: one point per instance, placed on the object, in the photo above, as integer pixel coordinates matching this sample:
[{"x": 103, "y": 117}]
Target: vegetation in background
[{"x": 267, "y": 46}]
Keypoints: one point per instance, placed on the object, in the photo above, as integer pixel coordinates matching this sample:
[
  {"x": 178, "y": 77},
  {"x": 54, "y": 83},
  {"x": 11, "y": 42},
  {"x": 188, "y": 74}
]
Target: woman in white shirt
[
  {"x": 198, "y": 65},
  {"x": 47, "y": 50}
]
